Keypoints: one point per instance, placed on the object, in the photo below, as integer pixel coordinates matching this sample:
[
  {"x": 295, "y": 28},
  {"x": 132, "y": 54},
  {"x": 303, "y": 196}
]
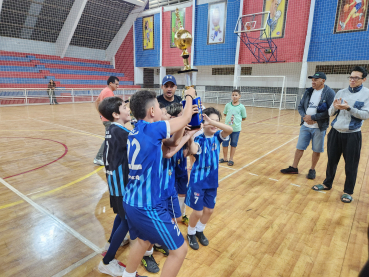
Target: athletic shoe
[
  {"x": 113, "y": 268},
  {"x": 192, "y": 241},
  {"x": 202, "y": 239},
  {"x": 163, "y": 249},
  {"x": 125, "y": 241},
  {"x": 98, "y": 162},
  {"x": 311, "y": 174},
  {"x": 150, "y": 264},
  {"x": 290, "y": 170},
  {"x": 185, "y": 220}
]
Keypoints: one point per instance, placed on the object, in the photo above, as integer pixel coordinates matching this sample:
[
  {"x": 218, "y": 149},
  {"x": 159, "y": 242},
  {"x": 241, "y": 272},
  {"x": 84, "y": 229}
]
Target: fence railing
[{"x": 34, "y": 96}]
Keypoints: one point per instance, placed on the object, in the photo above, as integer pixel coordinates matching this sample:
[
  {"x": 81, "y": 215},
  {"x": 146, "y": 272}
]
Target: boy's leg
[
  {"x": 116, "y": 224},
  {"x": 136, "y": 253},
  {"x": 116, "y": 241},
  {"x": 174, "y": 261},
  {"x": 225, "y": 145}
]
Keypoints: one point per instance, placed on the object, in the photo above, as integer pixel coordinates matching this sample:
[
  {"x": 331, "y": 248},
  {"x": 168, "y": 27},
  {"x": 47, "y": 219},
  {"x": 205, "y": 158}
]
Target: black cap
[{"x": 318, "y": 75}]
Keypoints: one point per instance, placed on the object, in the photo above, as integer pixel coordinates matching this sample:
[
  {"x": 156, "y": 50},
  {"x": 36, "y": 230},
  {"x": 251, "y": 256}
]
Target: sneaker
[
  {"x": 125, "y": 241},
  {"x": 98, "y": 162},
  {"x": 202, "y": 239},
  {"x": 192, "y": 241},
  {"x": 311, "y": 174},
  {"x": 112, "y": 269},
  {"x": 185, "y": 220},
  {"x": 150, "y": 264},
  {"x": 163, "y": 249},
  {"x": 290, "y": 170}
]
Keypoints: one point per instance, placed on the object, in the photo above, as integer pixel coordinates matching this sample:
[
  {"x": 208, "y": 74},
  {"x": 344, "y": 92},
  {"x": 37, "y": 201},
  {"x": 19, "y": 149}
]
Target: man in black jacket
[{"x": 313, "y": 109}]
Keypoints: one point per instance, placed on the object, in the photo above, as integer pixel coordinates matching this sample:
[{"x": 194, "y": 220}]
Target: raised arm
[
  {"x": 226, "y": 129},
  {"x": 168, "y": 152},
  {"x": 180, "y": 122}
]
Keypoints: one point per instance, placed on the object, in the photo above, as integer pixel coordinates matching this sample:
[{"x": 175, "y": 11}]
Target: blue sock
[
  {"x": 117, "y": 221},
  {"x": 116, "y": 241}
]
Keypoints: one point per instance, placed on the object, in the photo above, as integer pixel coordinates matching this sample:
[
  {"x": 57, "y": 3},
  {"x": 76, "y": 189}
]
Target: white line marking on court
[
  {"x": 226, "y": 167},
  {"x": 254, "y": 161},
  {"x": 273, "y": 179},
  {"x": 320, "y": 191},
  {"x": 253, "y": 174},
  {"x": 295, "y": 185},
  {"x": 58, "y": 222},
  {"x": 37, "y": 191},
  {"x": 75, "y": 265},
  {"x": 67, "y": 127}
]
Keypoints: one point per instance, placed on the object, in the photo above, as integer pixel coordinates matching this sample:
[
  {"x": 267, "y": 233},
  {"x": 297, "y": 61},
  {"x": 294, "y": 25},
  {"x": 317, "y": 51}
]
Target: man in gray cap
[{"x": 313, "y": 109}]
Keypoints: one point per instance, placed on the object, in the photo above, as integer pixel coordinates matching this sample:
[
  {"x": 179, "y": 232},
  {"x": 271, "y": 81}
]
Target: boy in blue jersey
[
  {"x": 116, "y": 165},
  {"x": 202, "y": 188},
  {"x": 148, "y": 220},
  {"x": 180, "y": 160}
]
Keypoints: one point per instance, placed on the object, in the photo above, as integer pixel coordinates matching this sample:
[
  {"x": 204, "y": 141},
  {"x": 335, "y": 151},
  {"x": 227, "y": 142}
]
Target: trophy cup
[{"x": 183, "y": 40}]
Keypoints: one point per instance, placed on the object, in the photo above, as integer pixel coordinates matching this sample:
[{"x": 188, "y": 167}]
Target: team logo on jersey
[
  {"x": 133, "y": 132},
  {"x": 196, "y": 194},
  {"x": 214, "y": 147},
  {"x": 179, "y": 161},
  {"x": 170, "y": 172}
]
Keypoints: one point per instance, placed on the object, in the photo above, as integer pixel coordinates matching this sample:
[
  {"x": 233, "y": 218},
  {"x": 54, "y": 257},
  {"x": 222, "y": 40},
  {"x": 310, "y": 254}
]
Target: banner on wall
[
  {"x": 148, "y": 32},
  {"x": 276, "y": 22},
  {"x": 351, "y": 16},
  {"x": 217, "y": 16},
  {"x": 175, "y": 25}
]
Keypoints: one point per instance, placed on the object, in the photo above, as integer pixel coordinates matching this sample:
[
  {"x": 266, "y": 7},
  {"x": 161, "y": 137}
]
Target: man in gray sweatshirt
[{"x": 351, "y": 107}]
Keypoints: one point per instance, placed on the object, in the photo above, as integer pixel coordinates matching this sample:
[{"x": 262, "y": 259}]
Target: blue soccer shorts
[
  {"x": 197, "y": 198},
  {"x": 172, "y": 206},
  {"x": 154, "y": 225},
  {"x": 181, "y": 185}
]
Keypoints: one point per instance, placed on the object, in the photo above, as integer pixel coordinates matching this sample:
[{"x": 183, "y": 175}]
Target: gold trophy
[{"x": 183, "y": 40}]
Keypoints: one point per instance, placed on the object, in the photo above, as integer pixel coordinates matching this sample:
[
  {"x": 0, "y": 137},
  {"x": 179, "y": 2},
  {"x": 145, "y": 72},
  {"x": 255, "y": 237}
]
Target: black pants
[{"x": 348, "y": 144}]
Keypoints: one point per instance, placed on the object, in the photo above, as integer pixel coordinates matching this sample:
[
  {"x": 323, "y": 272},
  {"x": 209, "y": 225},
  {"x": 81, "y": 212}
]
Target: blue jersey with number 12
[{"x": 144, "y": 162}]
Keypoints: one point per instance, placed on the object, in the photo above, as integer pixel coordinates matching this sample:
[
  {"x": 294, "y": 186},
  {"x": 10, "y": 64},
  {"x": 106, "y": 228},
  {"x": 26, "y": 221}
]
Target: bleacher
[{"x": 22, "y": 70}]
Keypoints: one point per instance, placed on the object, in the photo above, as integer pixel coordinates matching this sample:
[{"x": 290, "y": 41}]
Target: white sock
[
  {"x": 126, "y": 274},
  {"x": 200, "y": 227},
  {"x": 191, "y": 230},
  {"x": 184, "y": 210},
  {"x": 158, "y": 245},
  {"x": 149, "y": 252},
  {"x": 182, "y": 205}
]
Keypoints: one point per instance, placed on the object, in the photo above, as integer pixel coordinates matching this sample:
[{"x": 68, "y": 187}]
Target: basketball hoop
[{"x": 253, "y": 32}]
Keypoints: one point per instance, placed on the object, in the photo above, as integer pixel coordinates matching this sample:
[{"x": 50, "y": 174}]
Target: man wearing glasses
[{"x": 351, "y": 107}]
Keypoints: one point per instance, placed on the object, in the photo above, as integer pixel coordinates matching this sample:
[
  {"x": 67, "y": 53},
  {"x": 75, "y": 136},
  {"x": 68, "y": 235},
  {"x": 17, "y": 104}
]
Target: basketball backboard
[{"x": 252, "y": 22}]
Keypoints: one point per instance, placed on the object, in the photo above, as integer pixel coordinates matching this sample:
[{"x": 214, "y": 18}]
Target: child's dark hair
[
  {"x": 109, "y": 106},
  {"x": 161, "y": 105},
  {"x": 360, "y": 69},
  {"x": 237, "y": 90},
  {"x": 139, "y": 103},
  {"x": 211, "y": 110},
  {"x": 174, "y": 109}
]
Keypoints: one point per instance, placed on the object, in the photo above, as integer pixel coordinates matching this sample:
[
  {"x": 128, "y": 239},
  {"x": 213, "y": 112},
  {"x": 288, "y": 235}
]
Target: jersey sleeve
[
  {"x": 243, "y": 112},
  {"x": 218, "y": 135},
  {"x": 158, "y": 130}
]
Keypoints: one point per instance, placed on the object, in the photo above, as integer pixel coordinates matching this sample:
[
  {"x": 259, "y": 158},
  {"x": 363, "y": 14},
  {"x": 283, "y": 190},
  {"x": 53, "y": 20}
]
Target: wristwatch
[{"x": 348, "y": 109}]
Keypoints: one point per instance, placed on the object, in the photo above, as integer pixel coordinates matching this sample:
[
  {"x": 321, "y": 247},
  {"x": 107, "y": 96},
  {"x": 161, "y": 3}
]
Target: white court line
[
  {"x": 58, "y": 222},
  {"x": 75, "y": 265},
  {"x": 226, "y": 167},
  {"x": 320, "y": 191},
  {"x": 273, "y": 179},
  {"x": 253, "y": 174},
  {"x": 295, "y": 185},
  {"x": 66, "y": 127},
  {"x": 254, "y": 161}
]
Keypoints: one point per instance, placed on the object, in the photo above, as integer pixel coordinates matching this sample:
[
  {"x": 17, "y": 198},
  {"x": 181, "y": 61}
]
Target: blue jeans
[
  {"x": 314, "y": 134},
  {"x": 233, "y": 138}
]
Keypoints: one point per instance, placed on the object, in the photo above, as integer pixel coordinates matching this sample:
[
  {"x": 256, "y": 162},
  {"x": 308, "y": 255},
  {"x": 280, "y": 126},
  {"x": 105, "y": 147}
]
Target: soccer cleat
[
  {"x": 150, "y": 264},
  {"x": 202, "y": 239},
  {"x": 311, "y": 174},
  {"x": 185, "y": 220},
  {"x": 163, "y": 249},
  {"x": 112, "y": 269},
  {"x": 290, "y": 170},
  {"x": 98, "y": 162},
  {"x": 192, "y": 241}
]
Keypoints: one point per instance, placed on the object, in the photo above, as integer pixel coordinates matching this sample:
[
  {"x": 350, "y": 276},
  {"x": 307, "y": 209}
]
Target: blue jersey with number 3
[{"x": 144, "y": 162}]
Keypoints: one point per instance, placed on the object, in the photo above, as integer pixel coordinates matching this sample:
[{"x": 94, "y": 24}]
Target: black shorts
[{"x": 116, "y": 203}]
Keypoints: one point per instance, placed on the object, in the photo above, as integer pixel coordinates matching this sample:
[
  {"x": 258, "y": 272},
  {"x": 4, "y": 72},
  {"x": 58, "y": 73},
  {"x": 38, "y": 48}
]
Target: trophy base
[
  {"x": 187, "y": 71},
  {"x": 195, "y": 127}
]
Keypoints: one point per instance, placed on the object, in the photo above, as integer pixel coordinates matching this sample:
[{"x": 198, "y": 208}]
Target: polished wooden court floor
[{"x": 55, "y": 215}]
